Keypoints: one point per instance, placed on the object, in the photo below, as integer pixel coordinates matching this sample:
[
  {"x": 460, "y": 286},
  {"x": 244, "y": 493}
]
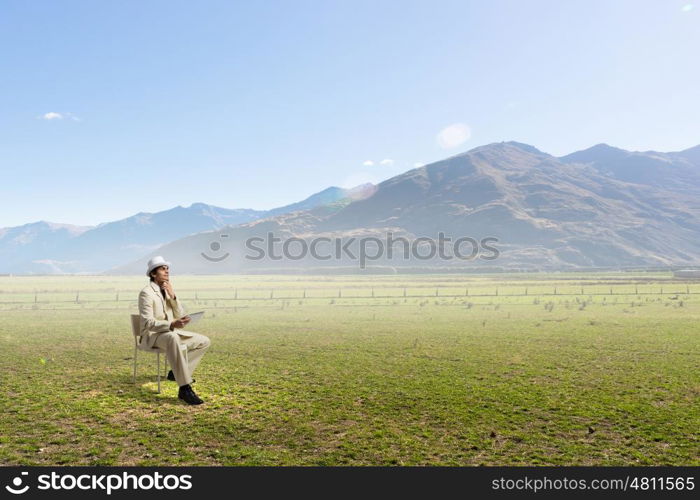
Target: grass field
[{"x": 376, "y": 370}]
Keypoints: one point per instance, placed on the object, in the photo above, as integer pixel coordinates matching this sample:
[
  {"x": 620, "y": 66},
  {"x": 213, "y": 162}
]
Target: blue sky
[{"x": 112, "y": 108}]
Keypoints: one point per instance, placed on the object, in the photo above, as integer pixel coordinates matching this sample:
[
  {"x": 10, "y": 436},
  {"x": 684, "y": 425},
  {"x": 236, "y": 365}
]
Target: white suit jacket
[{"x": 157, "y": 313}]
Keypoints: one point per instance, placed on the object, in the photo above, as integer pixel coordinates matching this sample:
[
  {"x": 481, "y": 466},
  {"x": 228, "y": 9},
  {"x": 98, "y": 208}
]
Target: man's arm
[
  {"x": 178, "y": 309},
  {"x": 147, "y": 319},
  {"x": 171, "y": 297}
]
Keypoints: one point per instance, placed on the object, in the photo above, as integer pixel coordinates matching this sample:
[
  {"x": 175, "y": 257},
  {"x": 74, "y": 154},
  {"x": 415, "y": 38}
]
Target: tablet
[{"x": 194, "y": 317}]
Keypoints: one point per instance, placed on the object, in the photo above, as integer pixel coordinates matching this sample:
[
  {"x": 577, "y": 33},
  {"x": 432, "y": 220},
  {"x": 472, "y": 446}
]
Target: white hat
[{"x": 156, "y": 261}]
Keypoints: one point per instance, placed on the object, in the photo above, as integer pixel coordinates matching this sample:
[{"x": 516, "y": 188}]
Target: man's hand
[
  {"x": 179, "y": 323},
  {"x": 168, "y": 289}
]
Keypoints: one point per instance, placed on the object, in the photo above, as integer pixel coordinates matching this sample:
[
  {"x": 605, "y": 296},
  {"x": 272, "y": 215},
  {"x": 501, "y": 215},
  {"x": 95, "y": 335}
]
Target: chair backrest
[{"x": 136, "y": 325}]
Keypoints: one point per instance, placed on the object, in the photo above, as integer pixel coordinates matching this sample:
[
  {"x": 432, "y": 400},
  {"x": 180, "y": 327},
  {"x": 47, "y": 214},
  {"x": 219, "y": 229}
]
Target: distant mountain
[
  {"x": 329, "y": 195},
  {"x": 691, "y": 154},
  {"x": 59, "y": 248},
  {"x": 676, "y": 171},
  {"x": 25, "y": 247},
  {"x": 602, "y": 207}
]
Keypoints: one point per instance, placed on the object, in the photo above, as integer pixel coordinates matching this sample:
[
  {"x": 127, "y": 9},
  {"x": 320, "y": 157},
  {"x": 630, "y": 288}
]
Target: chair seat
[{"x": 144, "y": 347}]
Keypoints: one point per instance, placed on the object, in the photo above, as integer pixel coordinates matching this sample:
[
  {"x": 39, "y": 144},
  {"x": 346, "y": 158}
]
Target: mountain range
[
  {"x": 48, "y": 248},
  {"x": 598, "y": 208},
  {"x": 602, "y": 207}
]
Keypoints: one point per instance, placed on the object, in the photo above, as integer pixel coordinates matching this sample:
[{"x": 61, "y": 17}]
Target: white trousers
[{"x": 197, "y": 345}]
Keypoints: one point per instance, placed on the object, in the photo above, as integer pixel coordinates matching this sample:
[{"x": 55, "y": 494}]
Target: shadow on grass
[{"x": 146, "y": 390}]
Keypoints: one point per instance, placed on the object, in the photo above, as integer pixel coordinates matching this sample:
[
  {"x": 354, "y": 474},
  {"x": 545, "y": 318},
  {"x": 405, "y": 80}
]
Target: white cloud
[
  {"x": 52, "y": 116},
  {"x": 687, "y": 7},
  {"x": 454, "y": 135},
  {"x": 418, "y": 165},
  {"x": 368, "y": 163},
  {"x": 386, "y": 161}
]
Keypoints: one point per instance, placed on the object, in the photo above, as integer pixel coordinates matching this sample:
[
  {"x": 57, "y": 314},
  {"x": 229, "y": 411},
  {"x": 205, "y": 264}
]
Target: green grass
[{"x": 522, "y": 380}]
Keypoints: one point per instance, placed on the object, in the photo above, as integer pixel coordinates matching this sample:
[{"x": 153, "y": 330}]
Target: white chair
[{"x": 136, "y": 330}]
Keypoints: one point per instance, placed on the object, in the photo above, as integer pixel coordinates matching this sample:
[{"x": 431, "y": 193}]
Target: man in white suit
[{"x": 162, "y": 320}]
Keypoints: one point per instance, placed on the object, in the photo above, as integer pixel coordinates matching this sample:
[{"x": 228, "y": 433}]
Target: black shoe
[
  {"x": 171, "y": 377},
  {"x": 188, "y": 396}
]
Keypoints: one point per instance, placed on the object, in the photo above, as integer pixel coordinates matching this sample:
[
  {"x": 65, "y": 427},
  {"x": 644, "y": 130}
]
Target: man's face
[{"x": 162, "y": 274}]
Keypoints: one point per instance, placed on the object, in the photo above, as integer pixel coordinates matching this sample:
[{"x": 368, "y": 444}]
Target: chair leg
[
  {"x": 135, "y": 351},
  {"x": 158, "y": 370}
]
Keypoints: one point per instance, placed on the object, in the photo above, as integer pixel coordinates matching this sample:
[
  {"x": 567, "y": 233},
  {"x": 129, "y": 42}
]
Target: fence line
[
  {"x": 468, "y": 306},
  {"x": 373, "y": 295}
]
